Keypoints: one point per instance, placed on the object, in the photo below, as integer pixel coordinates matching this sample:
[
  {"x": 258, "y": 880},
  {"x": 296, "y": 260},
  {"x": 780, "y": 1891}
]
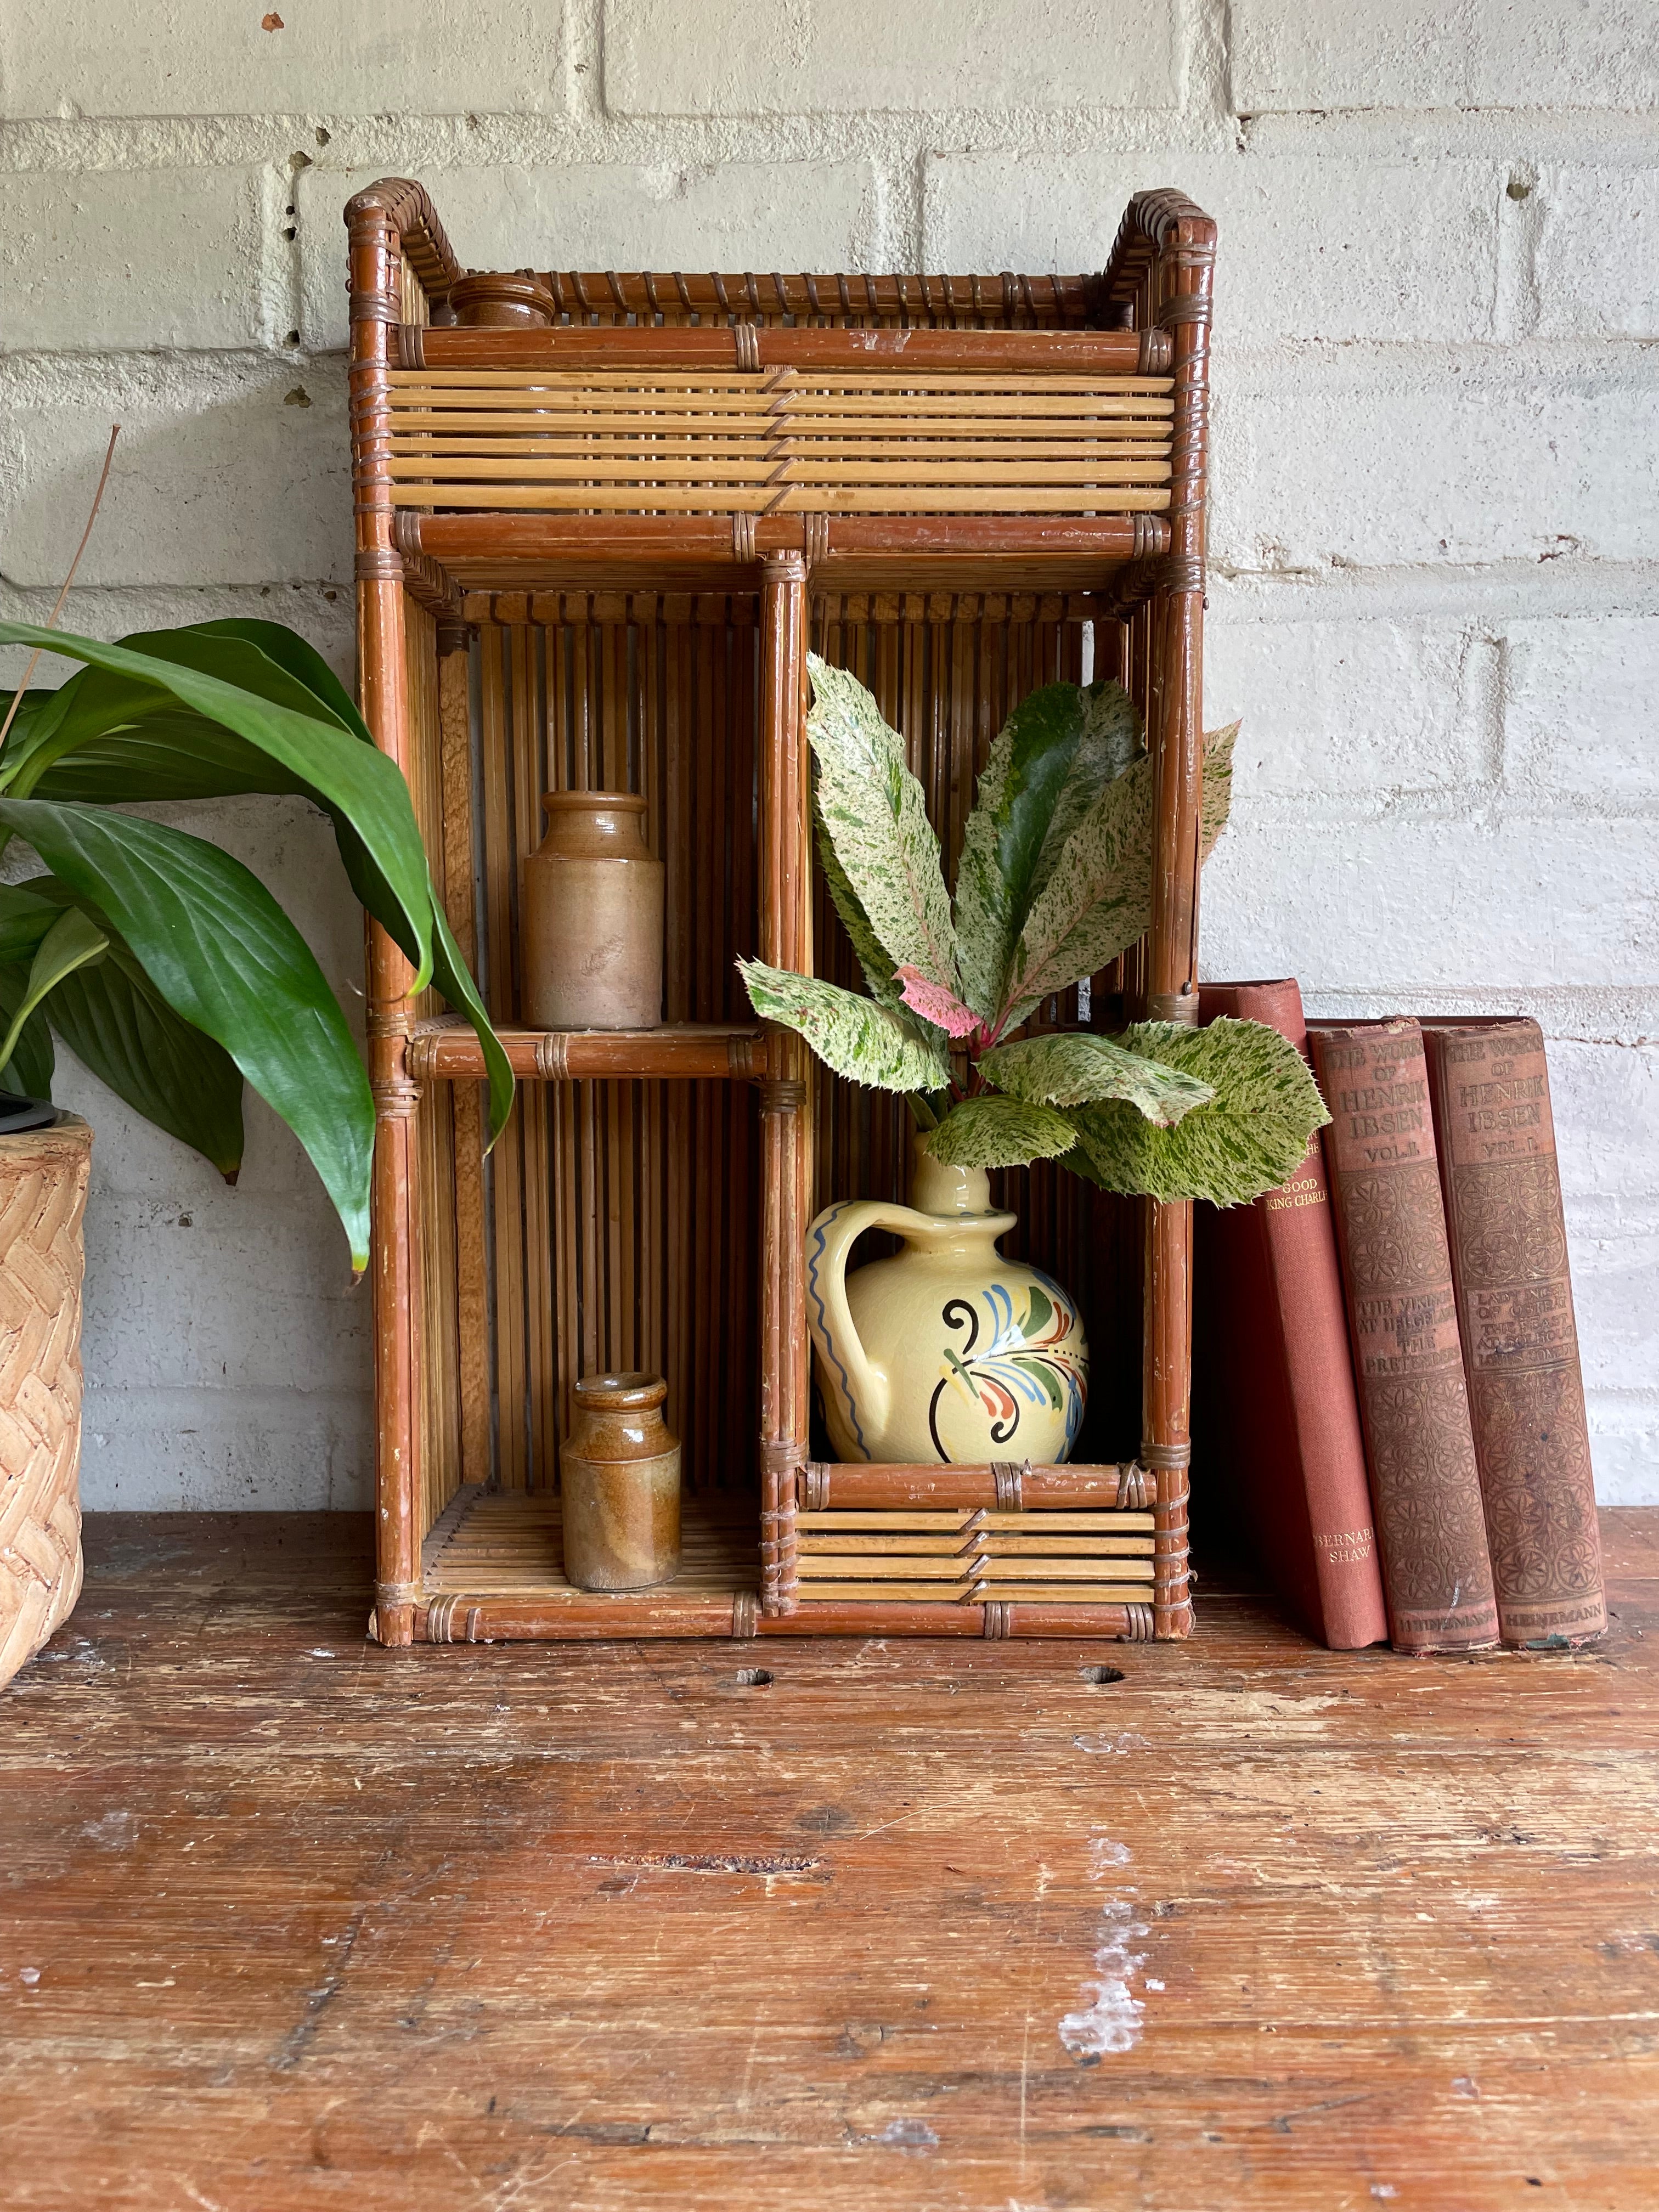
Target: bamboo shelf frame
[{"x": 599, "y": 518}]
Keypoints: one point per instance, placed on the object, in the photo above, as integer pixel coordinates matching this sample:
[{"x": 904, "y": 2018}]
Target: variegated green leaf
[
  {"x": 1097, "y": 901},
  {"x": 1056, "y": 753},
  {"x": 1111, "y": 743},
  {"x": 1250, "y": 1138},
  {"x": 875, "y": 812},
  {"x": 865, "y": 1042},
  {"x": 1074, "y": 1070},
  {"x": 999, "y": 1132},
  {"x": 878, "y": 970},
  {"x": 1216, "y": 796}
]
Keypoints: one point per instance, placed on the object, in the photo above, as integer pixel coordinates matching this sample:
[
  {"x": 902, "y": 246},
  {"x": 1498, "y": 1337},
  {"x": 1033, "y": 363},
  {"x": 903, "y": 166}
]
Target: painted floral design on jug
[
  {"x": 948, "y": 1351},
  {"x": 1013, "y": 1360}
]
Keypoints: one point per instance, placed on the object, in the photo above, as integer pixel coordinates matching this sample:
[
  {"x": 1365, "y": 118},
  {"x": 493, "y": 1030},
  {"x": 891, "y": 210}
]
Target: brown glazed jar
[
  {"x": 619, "y": 1475},
  {"x": 592, "y": 917},
  {"x": 498, "y": 300}
]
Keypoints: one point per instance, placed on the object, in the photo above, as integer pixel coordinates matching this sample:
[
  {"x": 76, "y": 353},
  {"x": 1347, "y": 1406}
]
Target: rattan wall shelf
[{"x": 599, "y": 519}]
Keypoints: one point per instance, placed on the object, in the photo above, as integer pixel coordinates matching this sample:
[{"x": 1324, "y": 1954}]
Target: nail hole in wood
[{"x": 1100, "y": 1675}]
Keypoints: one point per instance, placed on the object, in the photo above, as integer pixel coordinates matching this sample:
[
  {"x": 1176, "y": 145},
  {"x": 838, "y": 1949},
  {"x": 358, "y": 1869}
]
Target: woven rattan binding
[{"x": 1137, "y": 1491}]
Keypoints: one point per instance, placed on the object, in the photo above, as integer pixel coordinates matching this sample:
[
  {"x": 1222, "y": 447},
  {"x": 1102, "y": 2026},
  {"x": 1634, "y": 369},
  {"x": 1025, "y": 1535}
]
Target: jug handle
[{"x": 846, "y": 1366}]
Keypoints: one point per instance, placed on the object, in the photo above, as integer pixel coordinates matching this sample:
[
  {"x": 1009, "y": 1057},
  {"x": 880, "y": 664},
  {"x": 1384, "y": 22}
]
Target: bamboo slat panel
[
  {"x": 667, "y": 442},
  {"x": 974, "y": 1557},
  {"x": 505, "y": 1542}
]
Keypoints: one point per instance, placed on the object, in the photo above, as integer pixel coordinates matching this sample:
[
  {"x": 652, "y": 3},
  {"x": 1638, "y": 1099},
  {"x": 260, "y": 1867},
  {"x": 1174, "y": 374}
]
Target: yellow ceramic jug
[{"x": 947, "y": 1351}]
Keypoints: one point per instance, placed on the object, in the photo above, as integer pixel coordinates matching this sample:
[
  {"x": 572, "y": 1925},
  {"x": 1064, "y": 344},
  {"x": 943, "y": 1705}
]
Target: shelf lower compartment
[{"x": 493, "y": 1572}]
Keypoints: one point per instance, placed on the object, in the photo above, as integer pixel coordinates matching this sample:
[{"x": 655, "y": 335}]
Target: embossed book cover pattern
[
  {"x": 1496, "y": 1135},
  {"x": 1402, "y": 1319}
]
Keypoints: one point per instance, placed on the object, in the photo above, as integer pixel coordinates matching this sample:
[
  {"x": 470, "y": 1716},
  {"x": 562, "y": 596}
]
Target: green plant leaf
[
  {"x": 31, "y": 1071},
  {"x": 865, "y": 1042},
  {"x": 73, "y": 941},
  {"x": 120, "y": 736},
  {"x": 356, "y": 781},
  {"x": 25, "y": 918},
  {"x": 290, "y": 652},
  {"x": 879, "y": 972},
  {"x": 1056, "y": 753},
  {"x": 1216, "y": 792},
  {"x": 1097, "y": 901},
  {"x": 454, "y": 979},
  {"x": 116, "y": 1023},
  {"x": 999, "y": 1132},
  {"x": 224, "y": 955},
  {"x": 35, "y": 702},
  {"x": 1078, "y": 1069},
  {"x": 1250, "y": 1138},
  {"x": 449, "y": 968},
  {"x": 875, "y": 810}
]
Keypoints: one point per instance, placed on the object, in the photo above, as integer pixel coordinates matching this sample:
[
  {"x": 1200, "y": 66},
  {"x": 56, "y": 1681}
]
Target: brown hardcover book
[
  {"x": 1278, "y": 1420},
  {"x": 1496, "y": 1137},
  {"x": 1402, "y": 1322}
]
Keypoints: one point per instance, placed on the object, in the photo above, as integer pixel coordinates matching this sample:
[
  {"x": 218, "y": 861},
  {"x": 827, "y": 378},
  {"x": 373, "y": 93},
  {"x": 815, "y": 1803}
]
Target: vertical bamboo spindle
[
  {"x": 460, "y": 894},
  {"x": 376, "y": 277},
  {"x": 1181, "y": 294},
  {"x": 786, "y": 1132}
]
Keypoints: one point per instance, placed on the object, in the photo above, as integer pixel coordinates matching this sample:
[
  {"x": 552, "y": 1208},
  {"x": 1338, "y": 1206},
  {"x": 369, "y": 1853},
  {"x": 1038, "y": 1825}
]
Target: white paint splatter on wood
[{"x": 1111, "y": 2018}]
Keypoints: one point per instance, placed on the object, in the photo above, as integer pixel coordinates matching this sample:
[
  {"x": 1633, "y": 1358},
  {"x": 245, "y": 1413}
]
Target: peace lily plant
[
  {"x": 1055, "y": 880},
  {"x": 163, "y": 964}
]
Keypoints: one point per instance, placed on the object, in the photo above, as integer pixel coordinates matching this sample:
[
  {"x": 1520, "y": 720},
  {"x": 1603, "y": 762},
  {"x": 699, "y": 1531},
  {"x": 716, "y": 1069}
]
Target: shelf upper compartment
[{"x": 447, "y": 1050}]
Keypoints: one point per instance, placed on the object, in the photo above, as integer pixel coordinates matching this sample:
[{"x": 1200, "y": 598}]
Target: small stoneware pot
[
  {"x": 619, "y": 1476},
  {"x": 592, "y": 916},
  {"x": 488, "y": 299}
]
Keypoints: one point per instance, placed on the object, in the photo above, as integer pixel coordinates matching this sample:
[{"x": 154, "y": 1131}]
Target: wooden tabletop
[{"x": 287, "y": 1920}]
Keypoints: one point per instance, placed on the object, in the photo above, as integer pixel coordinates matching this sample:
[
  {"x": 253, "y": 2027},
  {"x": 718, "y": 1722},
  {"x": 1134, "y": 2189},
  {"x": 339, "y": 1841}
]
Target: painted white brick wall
[{"x": 1435, "y": 596}]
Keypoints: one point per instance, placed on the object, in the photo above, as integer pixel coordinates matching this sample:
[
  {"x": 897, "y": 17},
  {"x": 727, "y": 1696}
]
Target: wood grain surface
[{"x": 288, "y": 1920}]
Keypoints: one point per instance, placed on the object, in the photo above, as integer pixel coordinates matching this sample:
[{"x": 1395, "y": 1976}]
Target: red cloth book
[{"x": 1278, "y": 1421}]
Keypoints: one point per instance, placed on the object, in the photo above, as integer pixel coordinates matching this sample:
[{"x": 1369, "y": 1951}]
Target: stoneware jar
[
  {"x": 619, "y": 1475},
  {"x": 947, "y": 1351},
  {"x": 496, "y": 301},
  {"x": 592, "y": 922}
]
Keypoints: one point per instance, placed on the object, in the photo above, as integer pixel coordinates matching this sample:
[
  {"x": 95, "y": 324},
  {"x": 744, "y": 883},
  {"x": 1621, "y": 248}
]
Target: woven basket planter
[{"x": 43, "y": 1197}]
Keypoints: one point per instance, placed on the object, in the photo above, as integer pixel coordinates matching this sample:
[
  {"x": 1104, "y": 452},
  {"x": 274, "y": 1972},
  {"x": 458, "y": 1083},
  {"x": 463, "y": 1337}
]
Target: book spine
[
  {"x": 1322, "y": 1448},
  {"x": 1402, "y": 1319},
  {"x": 1307, "y": 1289},
  {"x": 1496, "y": 1135}
]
